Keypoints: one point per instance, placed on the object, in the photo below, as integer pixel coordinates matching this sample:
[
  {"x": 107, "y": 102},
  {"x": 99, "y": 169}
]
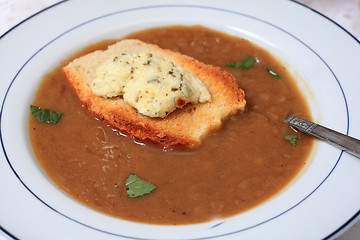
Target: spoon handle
[{"x": 346, "y": 143}]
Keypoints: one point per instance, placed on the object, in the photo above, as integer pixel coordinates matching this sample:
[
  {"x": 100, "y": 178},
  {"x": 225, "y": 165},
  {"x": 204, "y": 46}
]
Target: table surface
[{"x": 344, "y": 12}]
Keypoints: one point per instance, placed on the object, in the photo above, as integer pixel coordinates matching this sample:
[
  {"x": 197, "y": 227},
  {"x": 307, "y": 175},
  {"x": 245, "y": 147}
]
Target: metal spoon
[{"x": 346, "y": 143}]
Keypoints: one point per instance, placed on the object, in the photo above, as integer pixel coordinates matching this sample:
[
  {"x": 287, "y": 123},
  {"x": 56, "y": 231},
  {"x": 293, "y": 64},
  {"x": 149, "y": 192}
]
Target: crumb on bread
[{"x": 150, "y": 83}]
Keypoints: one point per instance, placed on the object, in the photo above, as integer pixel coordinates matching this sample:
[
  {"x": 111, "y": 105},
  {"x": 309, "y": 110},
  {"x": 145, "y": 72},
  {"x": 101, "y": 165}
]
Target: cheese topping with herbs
[{"x": 149, "y": 83}]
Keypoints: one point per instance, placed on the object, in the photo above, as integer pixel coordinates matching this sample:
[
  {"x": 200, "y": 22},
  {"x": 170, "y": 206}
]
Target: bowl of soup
[{"x": 249, "y": 179}]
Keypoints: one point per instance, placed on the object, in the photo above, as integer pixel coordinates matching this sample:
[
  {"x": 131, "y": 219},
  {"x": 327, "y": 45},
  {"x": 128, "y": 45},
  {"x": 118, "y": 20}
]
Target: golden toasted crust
[{"x": 186, "y": 126}]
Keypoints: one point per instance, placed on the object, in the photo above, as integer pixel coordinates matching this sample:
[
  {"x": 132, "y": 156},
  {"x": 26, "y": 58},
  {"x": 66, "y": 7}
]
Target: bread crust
[{"x": 184, "y": 127}]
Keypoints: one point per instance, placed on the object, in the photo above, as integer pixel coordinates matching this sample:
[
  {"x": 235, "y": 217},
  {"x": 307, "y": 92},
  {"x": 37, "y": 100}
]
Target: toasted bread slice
[{"x": 186, "y": 126}]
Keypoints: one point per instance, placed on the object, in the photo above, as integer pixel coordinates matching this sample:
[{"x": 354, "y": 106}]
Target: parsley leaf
[
  {"x": 45, "y": 115},
  {"x": 246, "y": 63},
  {"x": 291, "y": 139},
  {"x": 272, "y": 73},
  {"x": 135, "y": 186}
]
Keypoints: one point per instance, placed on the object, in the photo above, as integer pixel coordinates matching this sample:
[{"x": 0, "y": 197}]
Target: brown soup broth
[{"x": 237, "y": 167}]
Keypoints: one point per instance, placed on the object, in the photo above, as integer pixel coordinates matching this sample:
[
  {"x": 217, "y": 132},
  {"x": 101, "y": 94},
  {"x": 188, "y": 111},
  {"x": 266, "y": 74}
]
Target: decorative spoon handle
[{"x": 346, "y": 143}]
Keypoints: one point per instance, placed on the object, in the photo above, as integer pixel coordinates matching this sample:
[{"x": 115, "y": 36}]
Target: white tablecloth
[{"x": 345, "y": 12}]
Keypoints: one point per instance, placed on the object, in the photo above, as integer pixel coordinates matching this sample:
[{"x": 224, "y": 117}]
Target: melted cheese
[{"x": 149, "y": 83}]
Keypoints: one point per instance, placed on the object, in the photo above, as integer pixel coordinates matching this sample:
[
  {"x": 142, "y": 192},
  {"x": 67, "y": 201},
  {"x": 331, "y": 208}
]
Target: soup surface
[{"x": 237, "y": 167}]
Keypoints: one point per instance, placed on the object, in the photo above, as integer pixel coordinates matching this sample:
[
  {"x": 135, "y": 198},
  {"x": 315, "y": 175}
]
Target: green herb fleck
[
  {"x": 291, "y": 138},
  {"x": 272, "y": 73},
  {"x": 246, "y": 63},
  {"x": 45, "y": 115},
  {"x": 135, "y": 186}
]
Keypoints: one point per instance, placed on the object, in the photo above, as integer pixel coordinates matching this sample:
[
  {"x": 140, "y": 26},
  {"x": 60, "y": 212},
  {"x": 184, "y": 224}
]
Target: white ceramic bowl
[{"x": 319, "y": 203}]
